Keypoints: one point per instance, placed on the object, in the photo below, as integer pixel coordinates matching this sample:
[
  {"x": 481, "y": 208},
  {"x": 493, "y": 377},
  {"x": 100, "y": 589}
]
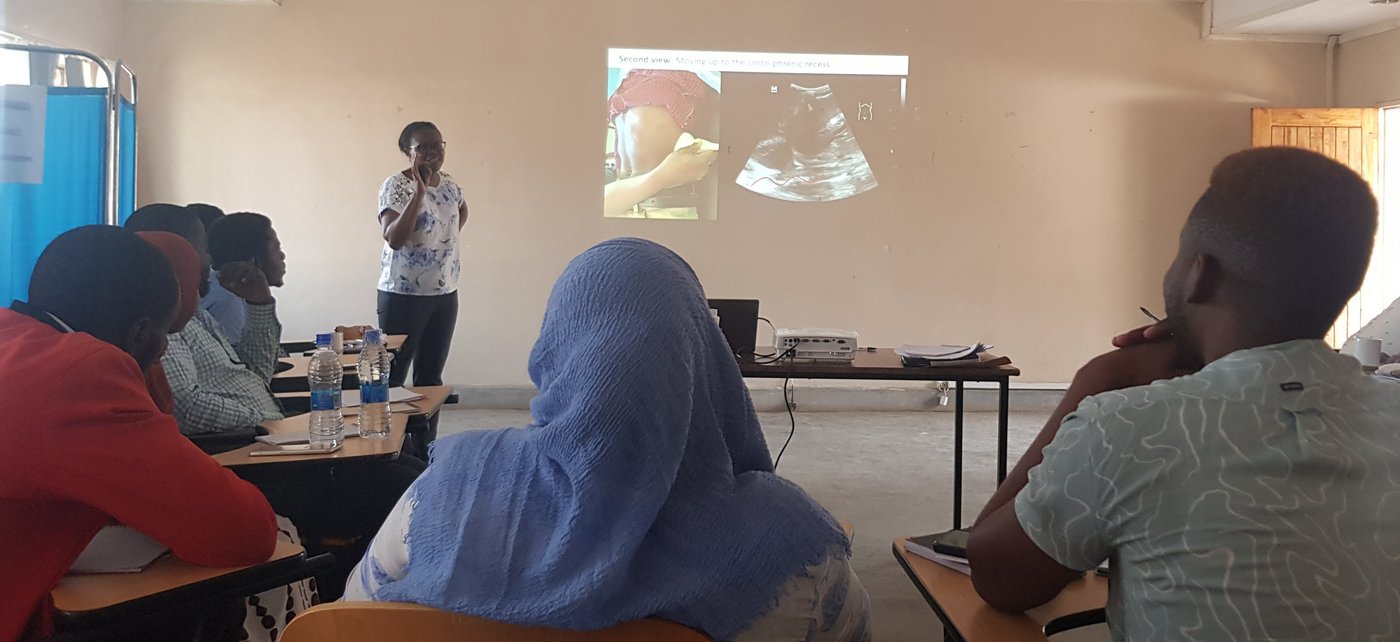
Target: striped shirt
[{"x": 1258, "y": 499}]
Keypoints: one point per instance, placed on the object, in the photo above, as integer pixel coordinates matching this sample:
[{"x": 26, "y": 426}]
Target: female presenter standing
[{"x": 421, "y": 212}]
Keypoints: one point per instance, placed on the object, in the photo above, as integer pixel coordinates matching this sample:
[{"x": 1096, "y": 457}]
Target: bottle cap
[
  {"x": 372, "y": 336},
  {"x": 323, "y": 340}
]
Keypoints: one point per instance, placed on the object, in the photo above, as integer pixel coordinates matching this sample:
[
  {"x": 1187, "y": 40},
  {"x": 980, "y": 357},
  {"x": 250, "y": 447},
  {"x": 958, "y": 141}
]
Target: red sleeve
[
  {"x": 159, "y": 387},
  {"x": 106, "y": 445}
]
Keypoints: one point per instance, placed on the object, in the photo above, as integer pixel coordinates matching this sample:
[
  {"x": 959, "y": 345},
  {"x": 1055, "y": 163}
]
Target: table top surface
[
  {"x": 952, "y": 596},
  {"x": 300, "y": 366},
  {"x": 83, "y": 593},
  {"x": 881, "y": 363},
  {"x": 392, "y": 341},
  {"x": 433, "y": 398},
  {"x": 352, "y": 448}
]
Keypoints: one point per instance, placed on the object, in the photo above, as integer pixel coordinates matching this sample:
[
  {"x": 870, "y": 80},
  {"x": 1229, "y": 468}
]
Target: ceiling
[{"x": 1302, "y": 20}]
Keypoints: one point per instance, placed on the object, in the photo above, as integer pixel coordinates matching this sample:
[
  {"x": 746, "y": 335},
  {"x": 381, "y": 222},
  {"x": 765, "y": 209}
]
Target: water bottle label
[
  {"x": 374, "y": 393},
  {"x": 325, "y": 400}
]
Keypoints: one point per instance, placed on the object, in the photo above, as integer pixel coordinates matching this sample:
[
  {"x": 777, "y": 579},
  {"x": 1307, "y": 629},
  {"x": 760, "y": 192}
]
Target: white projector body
[{"x": 823, "y": 344}]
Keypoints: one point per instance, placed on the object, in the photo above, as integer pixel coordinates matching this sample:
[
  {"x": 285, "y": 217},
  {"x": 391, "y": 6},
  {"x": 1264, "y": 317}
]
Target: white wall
[
  {"x": 1367, "y": 72},
  {"x": 1064, "y": 144},
  {"x": 91, "y": 25}
]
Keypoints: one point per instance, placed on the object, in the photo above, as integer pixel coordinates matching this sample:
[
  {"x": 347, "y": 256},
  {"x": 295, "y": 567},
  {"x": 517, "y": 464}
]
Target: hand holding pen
[{"x": 1158, "y": 330}]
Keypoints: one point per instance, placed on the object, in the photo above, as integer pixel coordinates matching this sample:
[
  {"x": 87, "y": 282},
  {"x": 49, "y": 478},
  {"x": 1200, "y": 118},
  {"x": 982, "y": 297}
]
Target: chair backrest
[{"x": 373, "y": 621}]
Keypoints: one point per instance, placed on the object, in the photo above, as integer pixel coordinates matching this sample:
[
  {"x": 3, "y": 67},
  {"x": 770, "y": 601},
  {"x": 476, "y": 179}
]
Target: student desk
[
  {"x": 418, "y": 411},
  {"x": 966, "y": 618},
  {"x": 393, "y": 341},
  {"x": 87, "y": 603},
  {"x": 291, "y": 371},
  {"x": 355, "y": 449},
  {"x": 291, "y": 375},
  {"x": 884, "y": 365},
  {"x": 425, "y": 408}
]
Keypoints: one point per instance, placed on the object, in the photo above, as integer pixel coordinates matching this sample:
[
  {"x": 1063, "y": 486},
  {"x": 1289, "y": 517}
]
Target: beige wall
[
  {"x": 1060, "y": 146},
  {"x": 91, "y": 25},
  {"x": 1366, "y": 71}
]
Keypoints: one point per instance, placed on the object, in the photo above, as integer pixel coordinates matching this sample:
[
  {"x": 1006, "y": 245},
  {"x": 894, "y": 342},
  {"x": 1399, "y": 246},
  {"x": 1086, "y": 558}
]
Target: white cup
[
  {"x": 1368, "y": 352},
  {"x": 338, "y": 342}
]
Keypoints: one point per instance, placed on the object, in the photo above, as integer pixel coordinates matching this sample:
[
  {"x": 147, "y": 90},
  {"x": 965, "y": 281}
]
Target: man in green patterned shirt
[
  {"x": 219, "y": 387},
  {"x": 1257, "y": 497}
]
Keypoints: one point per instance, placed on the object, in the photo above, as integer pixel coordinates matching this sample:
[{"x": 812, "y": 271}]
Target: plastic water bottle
[
  {"x": 374, "y": 387},
  {"x": 324, "y": 373}
]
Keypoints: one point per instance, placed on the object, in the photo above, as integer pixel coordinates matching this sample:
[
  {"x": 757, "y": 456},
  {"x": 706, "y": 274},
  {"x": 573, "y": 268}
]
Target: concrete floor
[{"x": 888, "y": 473}]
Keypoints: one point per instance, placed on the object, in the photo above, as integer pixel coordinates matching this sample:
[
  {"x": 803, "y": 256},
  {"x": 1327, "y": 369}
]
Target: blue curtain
[
  {"x": 126, "y": 160},
  {"x": 72, "y": 192}
]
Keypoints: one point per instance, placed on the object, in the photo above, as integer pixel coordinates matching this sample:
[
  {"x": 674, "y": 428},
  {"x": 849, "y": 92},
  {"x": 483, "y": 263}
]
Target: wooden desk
[
  {"x": 429, "y": 405},
  {"x": 300, "y": 366},
  {"x": 393, "y": 341},
  {"x": 967, "y": 618},
  {"x": 91, "y": 601},
  {"x": 884, "y": 365},
  {"x": 433, "y": 399},
  {"x": 354, "y": 448},
  {"x": 294, "y": 379}
]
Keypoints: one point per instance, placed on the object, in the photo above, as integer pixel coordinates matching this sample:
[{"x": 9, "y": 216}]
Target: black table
[{"x": 883, "y": 364}]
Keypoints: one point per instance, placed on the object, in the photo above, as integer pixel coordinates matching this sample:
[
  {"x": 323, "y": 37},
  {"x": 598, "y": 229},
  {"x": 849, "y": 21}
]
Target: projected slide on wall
[{"x": 810, "y": 129}]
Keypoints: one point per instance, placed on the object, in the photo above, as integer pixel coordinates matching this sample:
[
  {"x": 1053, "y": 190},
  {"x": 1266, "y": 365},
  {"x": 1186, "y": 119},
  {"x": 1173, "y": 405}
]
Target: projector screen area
[{"x": 688, "y": 131}]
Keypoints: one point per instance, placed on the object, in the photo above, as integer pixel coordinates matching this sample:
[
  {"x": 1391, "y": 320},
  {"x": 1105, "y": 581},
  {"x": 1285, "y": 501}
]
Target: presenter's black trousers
[{"x": 428, "y": 321}]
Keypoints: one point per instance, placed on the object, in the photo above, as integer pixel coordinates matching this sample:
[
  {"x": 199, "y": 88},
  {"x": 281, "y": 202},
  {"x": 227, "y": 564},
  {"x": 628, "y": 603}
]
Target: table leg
[
  {"x": 1003, "y": 421},
  {"x": 958, "y": 457}
]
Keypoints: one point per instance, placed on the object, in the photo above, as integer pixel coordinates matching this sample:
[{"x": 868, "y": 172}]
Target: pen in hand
[{"x": 1150, "y": 315}]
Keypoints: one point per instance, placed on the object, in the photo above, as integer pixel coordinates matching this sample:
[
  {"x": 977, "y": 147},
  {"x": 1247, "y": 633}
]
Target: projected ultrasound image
[
  {"x": 812, "y": 154},
  {"x": 795, "y": 132}
]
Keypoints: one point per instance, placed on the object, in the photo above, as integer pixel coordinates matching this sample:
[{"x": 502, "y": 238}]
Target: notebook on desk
[
  {"x": 982, "y": 360},
  {"x": 924, "y": 545},
  {"x": 933, "y": 356}
]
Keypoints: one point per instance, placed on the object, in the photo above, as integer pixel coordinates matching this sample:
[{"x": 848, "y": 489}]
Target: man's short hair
[
  {"x": 239, "y": 237},
  {"x": 166, "y": 217},
  {"x": 1298, "y": 227},
  {"x": 207, "y": 213},
  {"x": 101, "y": 280}
]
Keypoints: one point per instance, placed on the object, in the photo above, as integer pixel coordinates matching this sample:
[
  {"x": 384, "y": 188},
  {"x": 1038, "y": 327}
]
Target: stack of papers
[
  {"x": 958, "y": 564},
  {"x": 941, "y": 352}
]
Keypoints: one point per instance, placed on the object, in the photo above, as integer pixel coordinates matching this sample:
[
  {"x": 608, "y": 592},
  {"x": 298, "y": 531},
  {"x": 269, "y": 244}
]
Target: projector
[{"x": 823, "y": 344}]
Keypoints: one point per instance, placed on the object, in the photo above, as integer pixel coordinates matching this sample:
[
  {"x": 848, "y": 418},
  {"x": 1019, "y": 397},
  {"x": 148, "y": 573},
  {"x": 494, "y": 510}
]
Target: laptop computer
[{"x": 738, "y": 320}]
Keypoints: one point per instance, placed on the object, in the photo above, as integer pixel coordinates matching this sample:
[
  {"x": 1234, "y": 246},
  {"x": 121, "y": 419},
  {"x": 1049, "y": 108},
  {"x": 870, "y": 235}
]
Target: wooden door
[{"x": 1350, "y": 136}]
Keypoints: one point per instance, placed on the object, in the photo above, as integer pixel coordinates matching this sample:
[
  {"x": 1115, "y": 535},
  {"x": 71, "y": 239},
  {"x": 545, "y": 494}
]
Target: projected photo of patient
[
  {"x": 662, "y": 142},
  {"x": 812, "y": 154}
]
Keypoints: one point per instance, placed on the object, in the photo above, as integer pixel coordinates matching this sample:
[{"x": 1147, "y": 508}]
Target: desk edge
[{"x": 948, "y": 627}]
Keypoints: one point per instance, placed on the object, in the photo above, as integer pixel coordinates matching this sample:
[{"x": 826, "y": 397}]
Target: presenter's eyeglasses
[{"x": 430, "y": 147}]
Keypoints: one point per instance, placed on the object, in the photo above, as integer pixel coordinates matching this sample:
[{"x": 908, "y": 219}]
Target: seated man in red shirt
[{"x": 83, "y": 443}]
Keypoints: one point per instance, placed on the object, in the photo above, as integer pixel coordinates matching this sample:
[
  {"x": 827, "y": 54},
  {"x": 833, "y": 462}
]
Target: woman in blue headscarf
[{"x": 644, "y": 487}]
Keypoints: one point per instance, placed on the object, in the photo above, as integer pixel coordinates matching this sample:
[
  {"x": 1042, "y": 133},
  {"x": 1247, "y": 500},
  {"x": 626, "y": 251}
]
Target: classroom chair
[{"x": 374, "y": 621}]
